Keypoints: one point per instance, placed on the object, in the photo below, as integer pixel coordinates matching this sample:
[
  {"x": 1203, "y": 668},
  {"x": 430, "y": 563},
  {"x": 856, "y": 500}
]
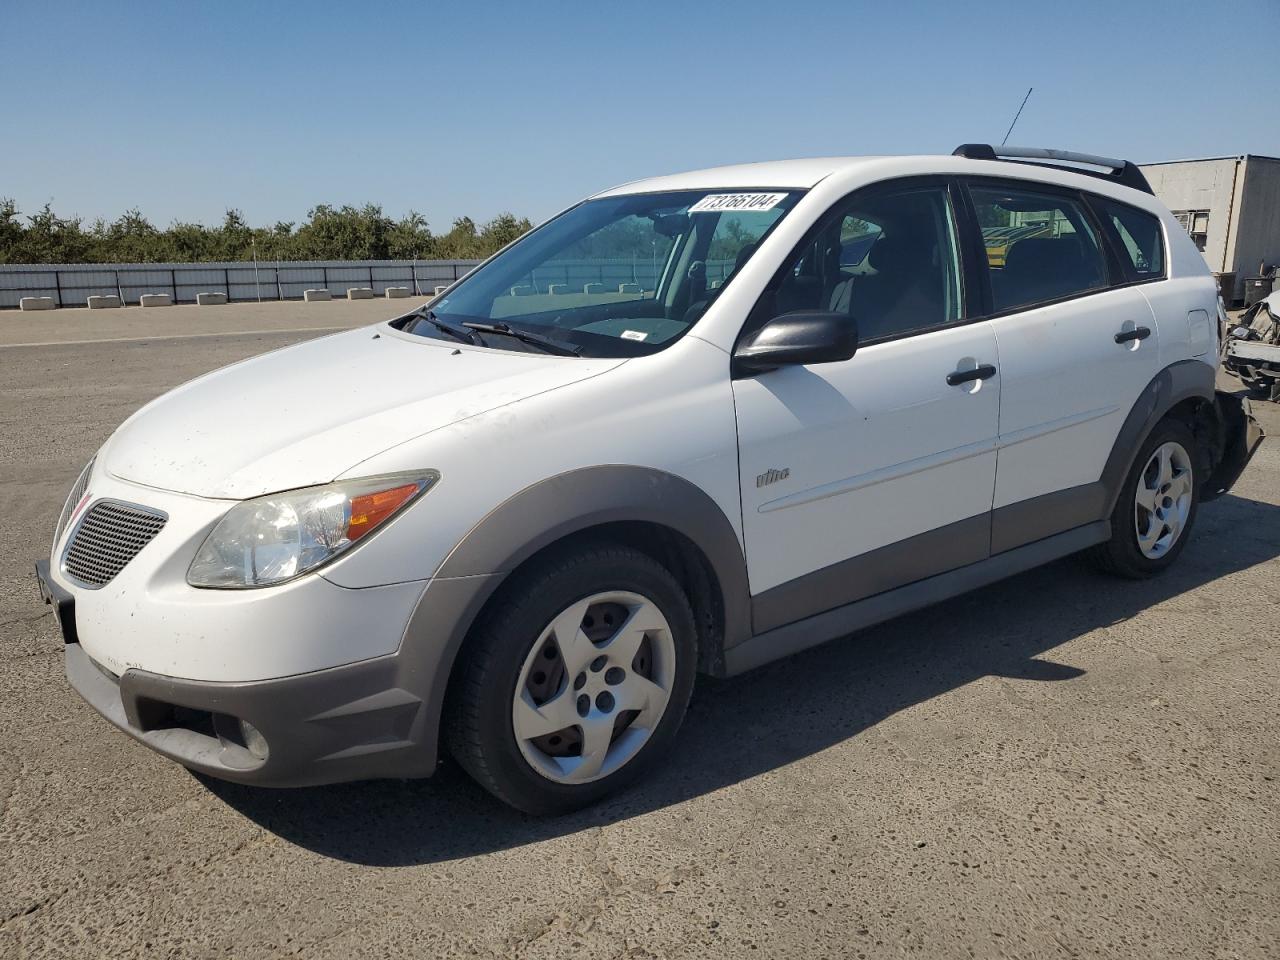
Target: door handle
[
  {"x": 984, "y": 371},
  {"x": 1137, "y": 333}
]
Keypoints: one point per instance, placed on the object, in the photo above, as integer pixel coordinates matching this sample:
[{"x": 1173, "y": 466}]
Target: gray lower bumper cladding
[{"x": 348, "y": 723}]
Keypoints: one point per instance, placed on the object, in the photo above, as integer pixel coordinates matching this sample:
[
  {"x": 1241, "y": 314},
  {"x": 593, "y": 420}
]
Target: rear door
[
  {"x": 1077, "y": 346},
  {"x": 863, "y": 475}
]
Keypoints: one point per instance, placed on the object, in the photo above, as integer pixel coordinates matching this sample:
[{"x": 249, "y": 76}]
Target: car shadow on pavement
[{"x": 779, "y": 713}]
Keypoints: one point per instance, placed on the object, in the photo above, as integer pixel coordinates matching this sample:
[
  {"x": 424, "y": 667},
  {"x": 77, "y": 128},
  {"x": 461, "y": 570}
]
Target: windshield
[{"x": 614, "y": 277}]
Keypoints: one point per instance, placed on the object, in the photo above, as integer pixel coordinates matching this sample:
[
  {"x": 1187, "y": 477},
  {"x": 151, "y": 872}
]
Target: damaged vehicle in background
[{"x": 1251, "y": 346}]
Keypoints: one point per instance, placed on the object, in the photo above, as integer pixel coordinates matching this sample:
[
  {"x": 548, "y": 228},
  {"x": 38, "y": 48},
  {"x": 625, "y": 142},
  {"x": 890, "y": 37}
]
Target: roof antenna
[{"x": 1016, "y": 116}]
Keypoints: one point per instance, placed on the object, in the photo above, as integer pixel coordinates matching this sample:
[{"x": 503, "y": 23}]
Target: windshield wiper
[
  {"x": 557, "y": 347},
  {"x": 457, "y": 333}
]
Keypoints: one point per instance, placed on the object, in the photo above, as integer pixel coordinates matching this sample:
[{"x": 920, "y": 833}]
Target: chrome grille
[
  {"x": 110, "y": 535},
  {"x": 73, "y": 500}
]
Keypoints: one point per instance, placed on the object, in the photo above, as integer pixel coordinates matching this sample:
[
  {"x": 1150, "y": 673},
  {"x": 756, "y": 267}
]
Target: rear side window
[
  {"x": 1140, "y": 236},
  {"x": 1040, "y": 246}
]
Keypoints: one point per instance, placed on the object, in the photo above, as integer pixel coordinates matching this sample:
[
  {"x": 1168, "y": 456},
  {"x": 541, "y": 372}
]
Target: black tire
[
  {"x": 1121, "y": 555},
  {"x": 478, "y": 722}
]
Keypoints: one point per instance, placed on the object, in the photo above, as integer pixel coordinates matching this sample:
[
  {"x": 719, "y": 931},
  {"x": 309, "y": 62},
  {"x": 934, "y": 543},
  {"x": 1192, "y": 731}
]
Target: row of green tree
[{"x": 329, "y": 233}]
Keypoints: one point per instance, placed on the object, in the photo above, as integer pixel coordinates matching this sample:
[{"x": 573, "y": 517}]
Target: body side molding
[
  {"x": 861, "y": 614},
  {"x": 915, "y": 558},
  {"x": 1027, "y": 521}
]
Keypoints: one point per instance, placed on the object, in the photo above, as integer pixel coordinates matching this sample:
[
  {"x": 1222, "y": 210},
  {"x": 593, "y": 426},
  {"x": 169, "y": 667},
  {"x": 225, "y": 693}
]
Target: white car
[{"x": 689, "y": 425}]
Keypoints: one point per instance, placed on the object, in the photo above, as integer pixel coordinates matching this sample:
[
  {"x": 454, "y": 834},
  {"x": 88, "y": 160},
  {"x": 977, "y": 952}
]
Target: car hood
[{"x": 309, "y": 413}]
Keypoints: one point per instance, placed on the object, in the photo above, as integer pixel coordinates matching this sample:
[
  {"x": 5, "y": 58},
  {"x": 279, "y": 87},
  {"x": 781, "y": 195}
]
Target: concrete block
[
  {"x": 359, "y": 293},
  {"x": 396, "y": 293},
  {"x": 37, "y": 303},
  {"x": 593, "y": 288},
  {"x": 524, "y": 290},
  {"x": 314, "y": 296},
  {"x": 211, "y": 299},
  {"x": 155, "y": 300},
  {"x": 629, "y": 288},
  {"x": 108, "y": 302},
  {"x": 555, "y": 288},
  {"x": 441, "y": 288}
]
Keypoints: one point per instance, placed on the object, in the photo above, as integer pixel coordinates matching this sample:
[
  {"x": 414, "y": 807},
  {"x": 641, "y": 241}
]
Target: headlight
[{"x": 278, "y": 537}]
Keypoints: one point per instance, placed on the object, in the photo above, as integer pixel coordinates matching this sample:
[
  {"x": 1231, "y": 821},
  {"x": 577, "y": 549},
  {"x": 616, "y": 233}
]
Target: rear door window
[
  {"x": 1040, "y": 246},
  {"x": 1141, "y": 241}
]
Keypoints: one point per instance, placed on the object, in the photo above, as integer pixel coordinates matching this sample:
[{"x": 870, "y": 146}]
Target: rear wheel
[
  {"x": 1154, "y": 513},
  {"x": 576, "y": 679}
]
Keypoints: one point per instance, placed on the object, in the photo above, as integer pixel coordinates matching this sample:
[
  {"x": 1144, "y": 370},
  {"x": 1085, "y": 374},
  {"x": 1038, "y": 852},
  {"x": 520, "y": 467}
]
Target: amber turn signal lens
[{"x": 370, "y": 509}]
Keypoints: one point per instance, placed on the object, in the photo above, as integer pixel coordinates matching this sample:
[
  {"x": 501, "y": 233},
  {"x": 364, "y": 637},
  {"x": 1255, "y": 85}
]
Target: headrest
[
  {"x": 745, "y": 253},
  {"x": 892, "y": 254},
  {"x": 1044, "y": 254}
]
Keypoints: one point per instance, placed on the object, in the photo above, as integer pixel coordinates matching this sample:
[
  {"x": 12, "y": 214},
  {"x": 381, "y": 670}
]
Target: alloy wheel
[{"x": 1162, "y": 501}]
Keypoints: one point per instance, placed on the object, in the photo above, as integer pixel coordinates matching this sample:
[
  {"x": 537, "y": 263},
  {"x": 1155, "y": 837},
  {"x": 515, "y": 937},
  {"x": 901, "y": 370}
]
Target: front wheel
[
  {"x": 1157, "y": 505},
  {"x": 575, "y": 680}
]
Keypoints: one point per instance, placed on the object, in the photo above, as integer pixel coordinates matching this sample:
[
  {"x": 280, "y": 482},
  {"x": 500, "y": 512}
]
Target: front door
[{"x": 867, "y": 474}]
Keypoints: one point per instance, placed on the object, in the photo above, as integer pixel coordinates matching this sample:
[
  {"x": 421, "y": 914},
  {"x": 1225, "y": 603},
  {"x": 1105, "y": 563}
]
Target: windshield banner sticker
[{"x": 737, "y": 201}]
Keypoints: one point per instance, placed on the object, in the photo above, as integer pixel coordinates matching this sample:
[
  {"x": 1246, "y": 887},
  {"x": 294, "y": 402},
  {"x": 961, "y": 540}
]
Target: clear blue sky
[{"x": 184, "y": 109}]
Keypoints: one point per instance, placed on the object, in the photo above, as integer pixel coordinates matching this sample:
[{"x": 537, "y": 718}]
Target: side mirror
[{"x": 797, "y": 338}]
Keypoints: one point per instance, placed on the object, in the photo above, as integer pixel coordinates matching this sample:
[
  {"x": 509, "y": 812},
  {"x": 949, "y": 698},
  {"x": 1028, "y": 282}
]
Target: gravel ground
[{"x": 1061, "y": 765}]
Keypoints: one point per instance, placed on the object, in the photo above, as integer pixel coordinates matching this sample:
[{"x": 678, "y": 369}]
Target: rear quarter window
[{"x": 1141, "y": 241}]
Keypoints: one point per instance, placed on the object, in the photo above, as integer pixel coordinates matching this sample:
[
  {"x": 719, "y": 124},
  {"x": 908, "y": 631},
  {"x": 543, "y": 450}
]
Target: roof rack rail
[{"x": 1123, "y": 172}]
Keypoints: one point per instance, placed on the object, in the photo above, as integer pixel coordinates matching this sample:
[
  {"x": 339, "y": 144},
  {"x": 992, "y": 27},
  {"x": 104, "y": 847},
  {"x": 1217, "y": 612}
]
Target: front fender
[{"x": 541, "y": 515}]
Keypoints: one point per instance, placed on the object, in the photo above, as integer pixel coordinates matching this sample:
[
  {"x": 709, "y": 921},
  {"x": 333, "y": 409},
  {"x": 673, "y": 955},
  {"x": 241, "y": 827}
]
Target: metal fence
[
  {"x": 573, "y": 276},
  {"x": 71, "y": 284}
]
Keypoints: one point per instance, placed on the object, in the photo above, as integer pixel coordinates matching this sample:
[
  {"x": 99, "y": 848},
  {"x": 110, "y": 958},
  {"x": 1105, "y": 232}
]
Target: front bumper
[
  {"x": 370, "y": 719},
  {"x": 345, "y": 723}
]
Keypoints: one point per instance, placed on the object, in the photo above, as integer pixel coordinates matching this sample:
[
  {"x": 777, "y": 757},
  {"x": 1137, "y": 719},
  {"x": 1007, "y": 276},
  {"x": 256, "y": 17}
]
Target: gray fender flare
[
  {"x": 534, "y": 519},
  {"x": 1177, "y": 382}
]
